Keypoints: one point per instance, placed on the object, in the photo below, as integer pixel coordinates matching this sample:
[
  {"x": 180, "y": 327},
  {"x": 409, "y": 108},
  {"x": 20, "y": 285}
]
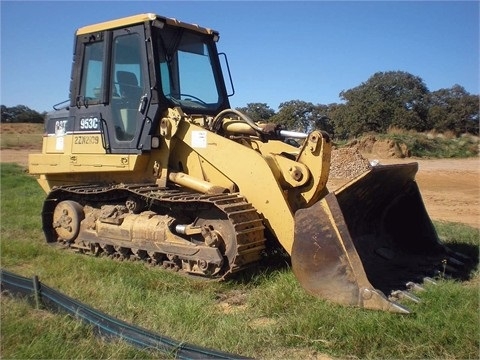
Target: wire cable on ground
[{"x": 104, "y": 324}]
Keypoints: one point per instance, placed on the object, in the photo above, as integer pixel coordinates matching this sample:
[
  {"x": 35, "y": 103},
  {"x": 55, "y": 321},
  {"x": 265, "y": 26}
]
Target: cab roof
[{"x": 138, "y": 19}]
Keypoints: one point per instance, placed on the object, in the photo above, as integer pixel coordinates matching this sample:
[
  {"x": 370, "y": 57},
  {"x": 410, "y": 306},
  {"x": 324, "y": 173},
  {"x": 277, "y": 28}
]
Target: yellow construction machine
[{"x": 148, "y": 161}]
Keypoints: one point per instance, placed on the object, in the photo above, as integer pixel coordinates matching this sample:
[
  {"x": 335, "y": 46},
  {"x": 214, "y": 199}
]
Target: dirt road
[{"x": 450, "y": 188}]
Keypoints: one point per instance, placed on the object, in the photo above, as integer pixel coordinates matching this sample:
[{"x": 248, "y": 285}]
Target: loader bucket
[{"x": 367, "y": 239}]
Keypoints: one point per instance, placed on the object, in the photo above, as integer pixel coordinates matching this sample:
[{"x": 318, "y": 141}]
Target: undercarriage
[{"x": 207, "y": 235}]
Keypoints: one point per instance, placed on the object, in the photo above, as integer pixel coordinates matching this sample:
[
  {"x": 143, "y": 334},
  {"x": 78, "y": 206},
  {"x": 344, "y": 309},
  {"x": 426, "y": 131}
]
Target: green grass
[
  {"x": 265, "y": 315},
  {"x": 28, "y": 333},
  {"x": 22, "y": 141}
]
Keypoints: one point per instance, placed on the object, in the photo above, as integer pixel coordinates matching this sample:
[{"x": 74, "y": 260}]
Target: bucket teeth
[
  {"x": 397, "y": 308},
  {"x": 374, "y": 299},
  {"x": 429, "y": 280},
  {"x": 400, "y": 294},
  {"x": 412, "y": 286}
]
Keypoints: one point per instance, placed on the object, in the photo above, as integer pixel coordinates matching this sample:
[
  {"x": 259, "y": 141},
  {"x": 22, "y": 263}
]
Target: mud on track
[{"x": 450, "y": 187}]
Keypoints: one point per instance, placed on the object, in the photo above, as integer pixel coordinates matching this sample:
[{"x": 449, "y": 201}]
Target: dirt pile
[
  {"x": 347, "y": 163},
  {"x": 380, "y": 148},
  {"x": 352, "y": 160}
]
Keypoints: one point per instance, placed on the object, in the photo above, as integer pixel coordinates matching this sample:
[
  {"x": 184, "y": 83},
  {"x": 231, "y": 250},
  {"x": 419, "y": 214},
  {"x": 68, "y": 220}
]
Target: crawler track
[{"x": 237, "y": 223}]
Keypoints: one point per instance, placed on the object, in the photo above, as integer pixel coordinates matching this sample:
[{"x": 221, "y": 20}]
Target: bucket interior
[{"x": 390, "y": 228}]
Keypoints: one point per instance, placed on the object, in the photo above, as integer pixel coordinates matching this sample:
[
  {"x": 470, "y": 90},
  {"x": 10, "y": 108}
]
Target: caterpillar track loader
[{"x": 148, "y": 161}]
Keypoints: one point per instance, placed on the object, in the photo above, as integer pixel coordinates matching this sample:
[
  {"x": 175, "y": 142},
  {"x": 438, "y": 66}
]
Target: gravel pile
[{"x": 347, "y": 163}]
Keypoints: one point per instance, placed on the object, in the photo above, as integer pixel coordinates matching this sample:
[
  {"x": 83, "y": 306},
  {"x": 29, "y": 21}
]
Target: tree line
[
  {"x": 20, "y": 114},
  {"x": 387, "y": 99}
]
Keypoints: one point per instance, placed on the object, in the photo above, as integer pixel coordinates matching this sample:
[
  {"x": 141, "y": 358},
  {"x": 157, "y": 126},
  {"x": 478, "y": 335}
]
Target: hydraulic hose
[{"x": 216, "y": 123}]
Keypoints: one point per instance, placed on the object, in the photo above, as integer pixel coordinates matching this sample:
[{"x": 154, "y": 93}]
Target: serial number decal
[{"x": 86, "y": 140}]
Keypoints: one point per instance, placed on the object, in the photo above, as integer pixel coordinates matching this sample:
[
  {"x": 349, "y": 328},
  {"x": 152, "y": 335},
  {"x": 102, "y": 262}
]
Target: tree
[
  {"x": 258, "y": 111},
  {"x": 386, "y": 99},
  {"x": 455, "y": 110},
  {"x": 20, "y": 114},
  {"x": 6, "y": 114},
  {"x": 294, "y": 115},
  {"x": 321, "y": 119}
]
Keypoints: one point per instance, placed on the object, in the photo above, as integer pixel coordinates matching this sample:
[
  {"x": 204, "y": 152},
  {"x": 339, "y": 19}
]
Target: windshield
[{"x": 187, "y": 73}]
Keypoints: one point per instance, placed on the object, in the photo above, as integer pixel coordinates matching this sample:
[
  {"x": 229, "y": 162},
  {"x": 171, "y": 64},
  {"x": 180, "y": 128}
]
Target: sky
[{"x": 277, "y": 50}]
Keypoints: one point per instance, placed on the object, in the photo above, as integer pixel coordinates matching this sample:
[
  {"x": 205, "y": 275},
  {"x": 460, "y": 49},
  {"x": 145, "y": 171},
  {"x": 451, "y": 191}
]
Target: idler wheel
[{"x": 67, "y": 217}]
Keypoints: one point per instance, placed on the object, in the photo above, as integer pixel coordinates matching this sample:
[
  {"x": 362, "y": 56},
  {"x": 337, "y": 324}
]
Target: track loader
[{"x": 148, "y": 161}]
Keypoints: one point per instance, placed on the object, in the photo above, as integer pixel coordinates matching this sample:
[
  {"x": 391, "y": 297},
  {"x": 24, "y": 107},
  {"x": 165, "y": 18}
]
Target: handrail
[{"x": 56, "y": 106}]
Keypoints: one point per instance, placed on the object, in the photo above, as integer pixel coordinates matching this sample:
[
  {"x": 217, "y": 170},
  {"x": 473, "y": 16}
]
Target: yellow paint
[{"x": 139, "y": 19}]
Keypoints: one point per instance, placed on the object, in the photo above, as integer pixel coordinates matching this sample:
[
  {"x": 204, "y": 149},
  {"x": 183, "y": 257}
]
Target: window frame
[{"x": 80, "y": 68}]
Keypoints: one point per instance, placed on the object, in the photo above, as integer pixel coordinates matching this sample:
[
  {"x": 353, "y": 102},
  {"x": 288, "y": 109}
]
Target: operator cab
[{"x": 127, "y": 72}]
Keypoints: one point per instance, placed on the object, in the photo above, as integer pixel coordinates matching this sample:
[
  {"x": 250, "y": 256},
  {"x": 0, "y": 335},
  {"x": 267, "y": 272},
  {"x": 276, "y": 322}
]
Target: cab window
[
  {"x": 91, "y": 84},
  {"x": 127, "y": 84}
]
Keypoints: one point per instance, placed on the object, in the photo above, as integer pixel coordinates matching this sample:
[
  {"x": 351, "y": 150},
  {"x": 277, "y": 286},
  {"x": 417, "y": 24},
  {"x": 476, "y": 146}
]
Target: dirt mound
[
  {"x": 380, "y": 148},
  {"x": 347, "y": 163}
]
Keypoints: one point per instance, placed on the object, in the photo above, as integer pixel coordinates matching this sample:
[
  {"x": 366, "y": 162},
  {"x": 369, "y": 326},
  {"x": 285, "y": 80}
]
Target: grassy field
[
  {"x": 33, "y": 334},
  {"x": 21, "y": 136},
  {"x": 263, "y": 315}
]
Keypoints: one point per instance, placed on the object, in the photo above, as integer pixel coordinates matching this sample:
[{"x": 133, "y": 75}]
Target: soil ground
[{"x": 450, "y": 187}]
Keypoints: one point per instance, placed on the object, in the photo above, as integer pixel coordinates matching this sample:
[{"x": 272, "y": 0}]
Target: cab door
[
  {"x": 129, "y": 95},
  {"x": 111, "y": 92}
]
